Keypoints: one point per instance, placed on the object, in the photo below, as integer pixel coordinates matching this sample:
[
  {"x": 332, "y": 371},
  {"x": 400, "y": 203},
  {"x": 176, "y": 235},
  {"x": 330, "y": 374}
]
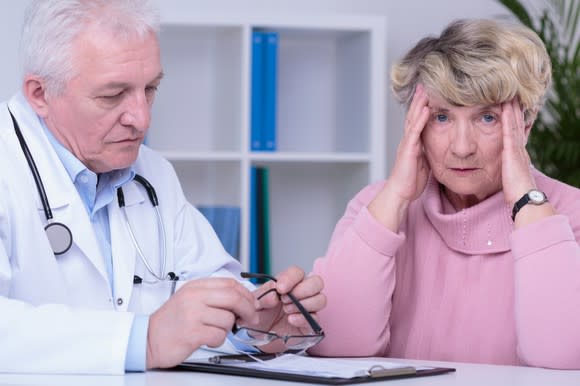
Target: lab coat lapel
[{"x": 65, "y": 202}]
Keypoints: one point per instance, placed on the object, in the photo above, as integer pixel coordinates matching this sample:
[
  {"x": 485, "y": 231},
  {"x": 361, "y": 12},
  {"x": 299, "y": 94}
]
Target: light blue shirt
[{"x": 96, "y": 192}]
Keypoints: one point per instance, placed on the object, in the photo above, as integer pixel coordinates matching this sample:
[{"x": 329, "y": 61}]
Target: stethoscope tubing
[
  {"x": 33, "y": 169},
  {"x": 53, "y": 225}
]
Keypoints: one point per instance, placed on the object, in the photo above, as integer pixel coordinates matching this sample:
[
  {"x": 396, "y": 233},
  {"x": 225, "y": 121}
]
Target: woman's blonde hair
[{"x": 478, "y": 62}]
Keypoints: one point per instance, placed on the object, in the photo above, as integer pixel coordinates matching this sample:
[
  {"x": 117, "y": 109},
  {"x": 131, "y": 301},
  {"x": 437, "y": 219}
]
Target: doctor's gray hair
[{"x": 51, "y": 27}]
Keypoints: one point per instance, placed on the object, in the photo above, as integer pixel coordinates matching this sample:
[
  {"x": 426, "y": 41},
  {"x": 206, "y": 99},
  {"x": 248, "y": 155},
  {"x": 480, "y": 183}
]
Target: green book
[{"x": 265, "y": 220}]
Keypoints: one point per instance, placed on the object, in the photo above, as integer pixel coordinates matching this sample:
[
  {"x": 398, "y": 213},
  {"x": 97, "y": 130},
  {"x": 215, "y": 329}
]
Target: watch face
[{"x": 536, "y": 196}]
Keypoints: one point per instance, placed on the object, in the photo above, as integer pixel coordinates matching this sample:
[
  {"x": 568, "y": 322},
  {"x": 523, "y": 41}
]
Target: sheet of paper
[
  {"x": 207, "y": 352},
  {"x": 325, "y": 367}
]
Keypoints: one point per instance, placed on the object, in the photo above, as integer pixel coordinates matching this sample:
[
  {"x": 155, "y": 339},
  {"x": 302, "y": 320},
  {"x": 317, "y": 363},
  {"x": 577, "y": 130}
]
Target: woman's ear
[{"x": 34, "y": 89}]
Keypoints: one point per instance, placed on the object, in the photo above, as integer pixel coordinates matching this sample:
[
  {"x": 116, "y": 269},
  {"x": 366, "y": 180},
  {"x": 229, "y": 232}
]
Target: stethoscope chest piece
[{"x": 59, "y": 237}]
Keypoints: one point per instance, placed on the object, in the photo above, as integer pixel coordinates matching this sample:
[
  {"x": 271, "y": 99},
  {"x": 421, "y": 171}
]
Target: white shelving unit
[{"x": 330, "y": 122}]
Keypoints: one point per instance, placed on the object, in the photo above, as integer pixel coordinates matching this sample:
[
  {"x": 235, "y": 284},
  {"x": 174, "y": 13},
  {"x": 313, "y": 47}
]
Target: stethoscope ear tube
[{"x": 33, "y": 169}]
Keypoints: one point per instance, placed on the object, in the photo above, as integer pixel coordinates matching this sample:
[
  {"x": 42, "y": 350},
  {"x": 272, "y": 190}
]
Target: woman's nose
[{"x": 463, "y": 141}]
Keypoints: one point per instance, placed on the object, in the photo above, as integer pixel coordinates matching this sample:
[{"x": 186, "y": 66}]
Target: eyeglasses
[{"x": 256, "y": 337}]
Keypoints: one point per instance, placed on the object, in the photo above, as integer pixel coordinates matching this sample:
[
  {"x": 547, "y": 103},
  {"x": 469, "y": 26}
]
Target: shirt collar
[
  {"x": 71, "y": 163},
  {"x": 85, "y": 180}
]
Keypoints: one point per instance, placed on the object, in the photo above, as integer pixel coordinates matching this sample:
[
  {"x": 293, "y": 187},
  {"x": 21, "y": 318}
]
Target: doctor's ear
[{"x": 34, "y": 89}]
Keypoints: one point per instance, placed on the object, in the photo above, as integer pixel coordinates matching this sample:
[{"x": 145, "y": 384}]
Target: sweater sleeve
[
  {"x": 547, "y": 293},
  {"x": 359, "y": 279}
]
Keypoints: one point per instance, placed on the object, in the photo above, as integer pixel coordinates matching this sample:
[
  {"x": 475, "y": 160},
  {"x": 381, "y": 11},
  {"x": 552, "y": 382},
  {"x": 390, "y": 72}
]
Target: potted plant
[{"x": 554, "y": 145}]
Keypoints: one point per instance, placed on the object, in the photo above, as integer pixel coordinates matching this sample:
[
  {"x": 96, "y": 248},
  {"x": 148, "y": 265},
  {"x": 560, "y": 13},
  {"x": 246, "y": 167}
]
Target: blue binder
[
  {"x": 225, "y": 221},
  {"x": 257, "y": 91},
  {"x": 270, "y": 90}
]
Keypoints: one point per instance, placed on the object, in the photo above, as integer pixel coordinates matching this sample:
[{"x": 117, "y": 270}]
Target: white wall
[{"x": 407, "y": 22}]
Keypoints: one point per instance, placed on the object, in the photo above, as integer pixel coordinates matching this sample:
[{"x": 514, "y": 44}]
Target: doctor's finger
[
  {"x": 217, "y": 284},
  {"x": 299, "y": 321},
  {"x": 288, "y": 279},
  {"x": 213, "y": 336},
  {"x": 233, "y": 302},
  {"x": 310, "y": 286},
  {"x": 311, "y": 304},
  {"x": 219, "y": 318}
]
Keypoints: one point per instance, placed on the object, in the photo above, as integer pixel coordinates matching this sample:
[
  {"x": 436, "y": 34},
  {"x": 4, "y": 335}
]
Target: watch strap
[
  {"x": 526, "y": 198},
  {"x": 519, "y": 205}
]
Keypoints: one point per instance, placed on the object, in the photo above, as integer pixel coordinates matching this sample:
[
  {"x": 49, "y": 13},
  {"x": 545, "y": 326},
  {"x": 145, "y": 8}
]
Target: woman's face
[{"x": 463, "y": 146}]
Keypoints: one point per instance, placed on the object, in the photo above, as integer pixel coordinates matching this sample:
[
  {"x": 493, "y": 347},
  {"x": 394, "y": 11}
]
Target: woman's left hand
[{"x": 517, "y": 178}]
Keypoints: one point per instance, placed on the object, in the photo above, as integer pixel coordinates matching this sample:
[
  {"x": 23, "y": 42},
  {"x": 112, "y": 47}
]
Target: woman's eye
[
  {"x": 488, "y": 118},
  {"x": 441, "y": 118}
]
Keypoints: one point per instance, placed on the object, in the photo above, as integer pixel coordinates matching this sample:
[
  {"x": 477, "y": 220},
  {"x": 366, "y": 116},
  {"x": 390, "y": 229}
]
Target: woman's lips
[{"x": 464, "y": 171}]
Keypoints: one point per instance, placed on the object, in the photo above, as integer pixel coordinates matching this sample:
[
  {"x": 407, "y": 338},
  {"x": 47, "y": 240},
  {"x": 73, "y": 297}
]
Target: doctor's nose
[{"x": 137, "y": 113}]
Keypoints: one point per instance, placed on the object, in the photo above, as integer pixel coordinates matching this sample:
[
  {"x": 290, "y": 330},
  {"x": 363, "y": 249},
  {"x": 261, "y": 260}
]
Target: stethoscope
[{"x": 60, "y": 236}]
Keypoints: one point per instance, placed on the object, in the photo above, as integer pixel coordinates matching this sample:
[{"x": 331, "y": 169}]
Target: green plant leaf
[
  {"x": 554, "y": 144},
  {"x": 519, "y": 11}
]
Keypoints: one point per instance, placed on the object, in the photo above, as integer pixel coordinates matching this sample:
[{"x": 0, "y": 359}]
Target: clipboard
[{"x": 375, "y": 374}]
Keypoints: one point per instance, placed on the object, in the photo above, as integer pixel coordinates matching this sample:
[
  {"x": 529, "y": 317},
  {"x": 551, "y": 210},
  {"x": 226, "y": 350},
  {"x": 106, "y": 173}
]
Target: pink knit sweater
[{"x": 456, "y": 286}]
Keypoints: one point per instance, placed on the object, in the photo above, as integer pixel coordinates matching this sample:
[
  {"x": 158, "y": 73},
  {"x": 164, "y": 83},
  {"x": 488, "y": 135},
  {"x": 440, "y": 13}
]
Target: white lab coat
[{"x": 58, "y": 315}]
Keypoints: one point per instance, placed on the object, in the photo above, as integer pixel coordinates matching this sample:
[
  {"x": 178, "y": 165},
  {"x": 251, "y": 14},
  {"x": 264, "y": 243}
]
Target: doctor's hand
[
  {"x": 201, "y": 312},
  {"x": 279, "y": 314}
]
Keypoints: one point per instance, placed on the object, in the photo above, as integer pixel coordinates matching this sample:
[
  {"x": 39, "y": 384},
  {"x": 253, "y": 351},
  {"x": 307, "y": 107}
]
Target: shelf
[
  {"x": 330, "y": 120},
  {"x": 215, "y": 156},
  {"x": 311, "y": 157}
]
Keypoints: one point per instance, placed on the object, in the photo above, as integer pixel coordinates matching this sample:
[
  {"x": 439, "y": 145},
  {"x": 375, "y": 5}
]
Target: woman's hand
[
  {"x": 411, "y": 170},
  {"x": 517, "y": 177}
]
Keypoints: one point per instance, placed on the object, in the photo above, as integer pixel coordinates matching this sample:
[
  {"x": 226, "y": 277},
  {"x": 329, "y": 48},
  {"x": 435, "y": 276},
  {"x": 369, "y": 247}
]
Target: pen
[{"x": 241, "y": 358}]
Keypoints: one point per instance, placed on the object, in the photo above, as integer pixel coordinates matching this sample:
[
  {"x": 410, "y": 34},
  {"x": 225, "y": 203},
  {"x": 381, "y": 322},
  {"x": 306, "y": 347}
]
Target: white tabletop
[{"x": 467, "y": 374}]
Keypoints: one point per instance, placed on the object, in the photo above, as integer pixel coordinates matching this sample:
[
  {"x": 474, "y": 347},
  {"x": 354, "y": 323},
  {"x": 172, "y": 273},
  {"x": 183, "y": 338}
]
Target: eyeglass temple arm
[{"x": 315, "y": 326}]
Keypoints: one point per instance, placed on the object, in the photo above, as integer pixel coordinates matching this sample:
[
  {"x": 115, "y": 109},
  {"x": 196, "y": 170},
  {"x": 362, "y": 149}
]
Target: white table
[{"x": 467, "y": 374}]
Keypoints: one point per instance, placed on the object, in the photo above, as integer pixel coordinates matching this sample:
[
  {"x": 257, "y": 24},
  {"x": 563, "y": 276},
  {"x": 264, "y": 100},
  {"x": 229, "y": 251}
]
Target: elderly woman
[{"x": 466, "y": 252}]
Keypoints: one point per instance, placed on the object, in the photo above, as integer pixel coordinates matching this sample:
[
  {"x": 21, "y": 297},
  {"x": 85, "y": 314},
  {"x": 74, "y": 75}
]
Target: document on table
[{"x": 330, "y": 367}]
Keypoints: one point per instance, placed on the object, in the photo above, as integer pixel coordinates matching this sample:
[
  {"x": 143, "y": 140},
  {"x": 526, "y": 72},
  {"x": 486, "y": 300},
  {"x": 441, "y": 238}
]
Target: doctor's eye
[
  {"x": 113, "y": 97},
  {"x": 150, "y": 91}
]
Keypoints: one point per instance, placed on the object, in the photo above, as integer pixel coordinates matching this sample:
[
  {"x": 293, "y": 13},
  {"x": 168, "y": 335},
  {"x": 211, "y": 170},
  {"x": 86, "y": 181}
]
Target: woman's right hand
[{"x": 409, "y": 175}]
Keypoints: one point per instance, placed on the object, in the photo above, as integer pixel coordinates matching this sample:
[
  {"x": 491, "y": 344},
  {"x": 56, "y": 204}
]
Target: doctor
[{"x": 91, "y": 280}]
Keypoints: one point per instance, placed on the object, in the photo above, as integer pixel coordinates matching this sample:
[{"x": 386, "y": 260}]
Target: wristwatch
[{"x": 534, "y": 196}]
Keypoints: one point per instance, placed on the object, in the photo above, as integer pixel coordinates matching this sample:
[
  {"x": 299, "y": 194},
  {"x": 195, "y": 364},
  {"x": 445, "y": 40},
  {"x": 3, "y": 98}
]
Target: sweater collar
[{"x": 481, "y": 229}]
